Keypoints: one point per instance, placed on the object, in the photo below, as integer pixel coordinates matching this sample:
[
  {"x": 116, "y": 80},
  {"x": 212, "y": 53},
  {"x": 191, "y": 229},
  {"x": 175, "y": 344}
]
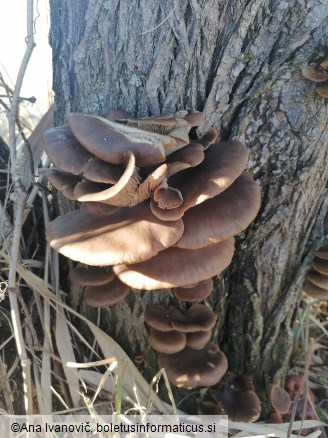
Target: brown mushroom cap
[
  {"x": 167, "y": 342},
  {"x": 128, "y": 235},
  {"x": 279, "y": 399},
  {"x": 223, "y": 216},
  {"x": 223, "y": 163},
  {"x": 198, "y": 340},
  {"x": 189, "y": 156},
  {"x": 318, "y": 280},
  {"x": 65, "y": 151},
  {"x": 175, "y": 267},
  {"x": 110, "y": 141},
  {"x": 322, "y": 91},
  {"x": 198, "y": 318},
  {"x": 106, "y": 295},
  {"x": 160, "y": 318},
  {"x": 208, "y": 138},
  {"x": 63, "y": 181},
  {"x": 321, "y": 254},
  {"x": 167, "y": 197},
  {"x": 315, "y": 73},
  {"x": 192, "y": 368},
  {"x": 194, "y": 293},
  {"x": 91, "y": 275},
  {"x": 314, "y": 291},
  {"x": 320, "y": 266},
  {"x": 240, "y": 406},
  {"x": 99, "y": 171}
]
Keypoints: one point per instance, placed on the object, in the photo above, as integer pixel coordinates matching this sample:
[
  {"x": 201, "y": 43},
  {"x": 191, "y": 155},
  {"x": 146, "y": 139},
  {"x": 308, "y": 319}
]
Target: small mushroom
[
  {"x": 91, "y": 275},
  {"x": 197, "y": 318},
  {"x": 65, "y": 151},
  {"x": 236, "y": 400},
  {"x": 106, "y": 295},
  {"x": 318, "y": 280},
  {"x": 320, "y": 266},
  {"x": 198, "y": 340},
  {"x": 167, "y": 342},
  {"x": 322, "y": 90},
  {"x": 279, "y": 398},
  {"x": 192, "y": 368},
  {"x": 160, "y": 318},
  {"x": 321, "y": 254},
  {"x": 63, "y": 181},
  {"x": 315, "y": 73},
  {"x": 315, "y": 291},
  {"x": 194, "y": 293}
]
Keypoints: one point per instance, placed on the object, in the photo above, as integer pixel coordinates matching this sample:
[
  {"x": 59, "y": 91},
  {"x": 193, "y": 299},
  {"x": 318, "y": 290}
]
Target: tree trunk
[{"x": 238, "y": 61}]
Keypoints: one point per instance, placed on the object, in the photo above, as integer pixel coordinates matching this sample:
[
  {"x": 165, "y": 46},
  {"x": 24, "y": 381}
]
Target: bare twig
[{"x": 19, "y": 197}]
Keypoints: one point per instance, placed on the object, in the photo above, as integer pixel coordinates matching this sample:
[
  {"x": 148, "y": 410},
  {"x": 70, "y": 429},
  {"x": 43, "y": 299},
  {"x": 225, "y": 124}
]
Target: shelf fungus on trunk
[
  {"x": 316, "y": 283},
  {"x": 159, "y": 210},
  {"x": 318, "y": 73}
]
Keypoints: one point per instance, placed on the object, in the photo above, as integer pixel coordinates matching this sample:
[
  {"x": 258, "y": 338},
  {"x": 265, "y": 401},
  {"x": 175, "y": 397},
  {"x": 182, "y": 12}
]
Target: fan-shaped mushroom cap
[
  {"x": 321, "y": 254},
  {"x": 65, "y": 151},
  {"x": 279, "y": 399},
  {"x": 241, "y": 406},
  {"x": 175, "y": 267},
  {"x": 223, "y": 163},
  {"x": 167, "y": 197},
  {"x": 91, "y": 275},
  {"x": 198, "y": 318},
  {"x": 318, "y": 280},
  {"x": 315, "y": 291},
  {"x": 315, "y": 73},
  {"x": 106, "y": 295},
  {"x": 189, "y": 156},
  {"x": 110, "y": 141},
  {"x": 63, "y": 181},
  {"x": 198, "y": 340},
  {"x": 208, "y": 138},
  {"x": 99, "y": 171},
  {"x": 322, "y": 91},
  {"x": 194, "y": 293},
  {"x": 128, "y": 235},
  {"x": 223, "y": 216},
  {"x": 195, "y": 119},
  {"x": 167, "y": 342},
  {"x": 160, "y": 318},
  {"x": 192, "y": 368},
  {"x": 320, "y": 266}
]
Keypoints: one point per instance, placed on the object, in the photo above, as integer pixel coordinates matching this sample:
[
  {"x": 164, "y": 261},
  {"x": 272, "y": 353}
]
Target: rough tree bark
[{"x": 239, "y": 61}]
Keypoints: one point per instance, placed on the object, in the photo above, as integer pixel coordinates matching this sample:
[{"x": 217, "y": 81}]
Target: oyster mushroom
[{"x": 192, "y": 368}]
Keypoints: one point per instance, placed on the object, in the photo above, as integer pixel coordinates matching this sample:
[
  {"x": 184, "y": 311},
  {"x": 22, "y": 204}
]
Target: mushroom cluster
[
  {"x": 159, "y": 210},
  {"x": 316, "y": 283},
  {"x": 234, "y": 396},
  {"x": 183, "y": 343},
  {"x": 318, "y": 73}
]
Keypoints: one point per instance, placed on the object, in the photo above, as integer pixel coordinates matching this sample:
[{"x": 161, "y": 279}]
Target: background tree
[{"x": 239, "y": 62}]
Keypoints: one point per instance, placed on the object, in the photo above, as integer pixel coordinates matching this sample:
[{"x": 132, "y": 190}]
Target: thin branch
[{"x": 19, "y": 197}]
